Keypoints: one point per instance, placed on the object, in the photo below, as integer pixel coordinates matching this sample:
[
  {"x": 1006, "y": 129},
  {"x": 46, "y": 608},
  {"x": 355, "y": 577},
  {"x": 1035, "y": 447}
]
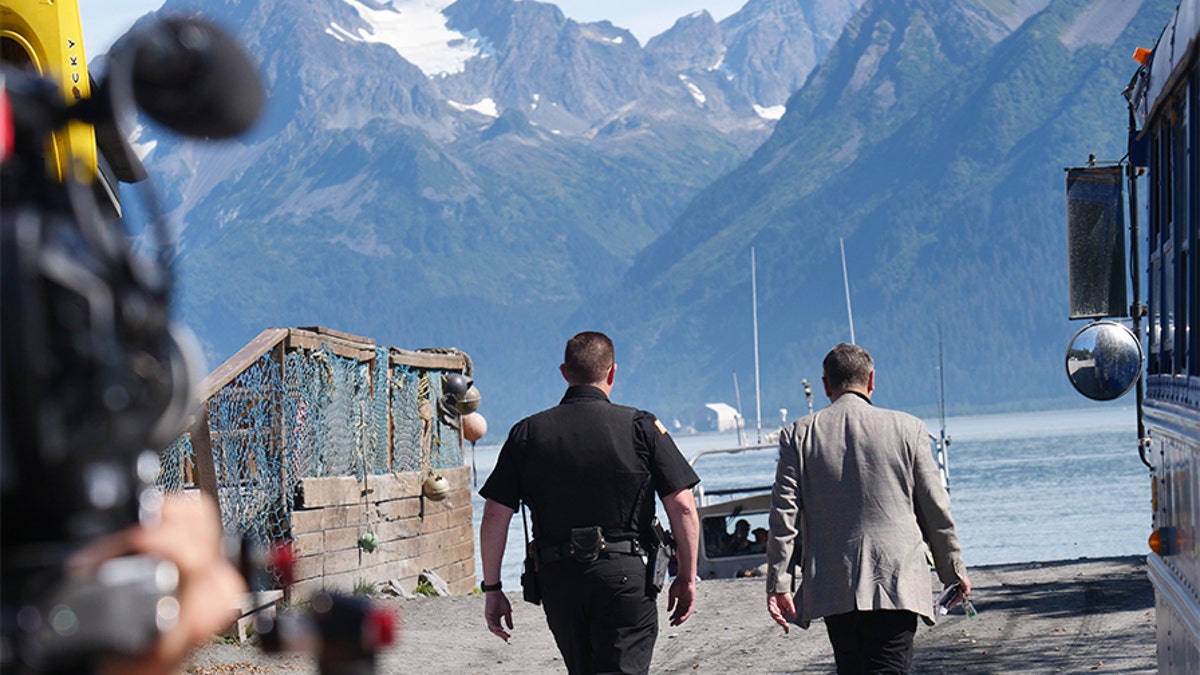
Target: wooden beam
[
  {"x": 349, "y": 337},
  {"x": 227, "y": 372},
  {"x": 432, "y": 360},
  {"x": 303, "y": 339}
]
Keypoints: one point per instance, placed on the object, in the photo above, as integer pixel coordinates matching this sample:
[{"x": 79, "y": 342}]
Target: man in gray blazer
[{"x": 858, "y": 498}]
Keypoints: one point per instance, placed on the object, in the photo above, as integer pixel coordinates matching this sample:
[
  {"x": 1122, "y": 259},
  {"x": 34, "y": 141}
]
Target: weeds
[
  {"x": 365, "y": 589},
  {"x": 425, "y": 588}
]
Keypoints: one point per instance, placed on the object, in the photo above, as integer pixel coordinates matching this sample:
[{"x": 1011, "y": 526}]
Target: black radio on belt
[{"x": 530, "y": 590}]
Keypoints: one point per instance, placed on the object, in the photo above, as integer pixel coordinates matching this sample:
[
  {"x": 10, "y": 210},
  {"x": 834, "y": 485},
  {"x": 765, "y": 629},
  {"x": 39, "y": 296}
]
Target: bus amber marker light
[
  {"x": 1142, "y": 55},
  {"x": 1162, "y": 541}
]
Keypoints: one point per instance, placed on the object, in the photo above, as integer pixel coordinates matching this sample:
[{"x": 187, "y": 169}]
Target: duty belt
[{"x": 555, "y": 553}]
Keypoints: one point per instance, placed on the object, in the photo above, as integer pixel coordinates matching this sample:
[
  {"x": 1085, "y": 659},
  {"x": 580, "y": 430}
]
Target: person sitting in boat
[
  {"x": 738, "y": 542},
  {"x": 760, "y": 540}
]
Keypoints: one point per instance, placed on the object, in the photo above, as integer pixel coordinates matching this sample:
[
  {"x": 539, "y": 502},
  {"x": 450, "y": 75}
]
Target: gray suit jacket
[{"x": 860, "y": 489}]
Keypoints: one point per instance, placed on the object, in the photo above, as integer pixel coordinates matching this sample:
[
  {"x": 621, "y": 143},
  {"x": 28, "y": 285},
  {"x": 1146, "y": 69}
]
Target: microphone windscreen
[{"x": 193, "y": 78}]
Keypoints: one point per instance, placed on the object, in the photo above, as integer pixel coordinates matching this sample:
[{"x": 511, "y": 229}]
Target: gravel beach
[{"x": 1076, "y": 616}]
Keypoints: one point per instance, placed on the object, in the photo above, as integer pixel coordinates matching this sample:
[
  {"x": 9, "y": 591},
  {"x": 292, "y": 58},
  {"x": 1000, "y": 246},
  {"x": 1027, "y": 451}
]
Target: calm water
[{"x": 1023, "y": 487}]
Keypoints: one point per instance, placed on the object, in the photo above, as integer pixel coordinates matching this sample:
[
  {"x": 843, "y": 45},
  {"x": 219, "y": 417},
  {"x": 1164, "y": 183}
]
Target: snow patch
[
  {"x": 417, "y": 31},
  {"x": 340, "y": 33},
  {"x": 591, "y": 33},
  {"x": 485, "y": 107},
  {"x": 771, "y": 112},
  {"x": 697, "y": 94}
]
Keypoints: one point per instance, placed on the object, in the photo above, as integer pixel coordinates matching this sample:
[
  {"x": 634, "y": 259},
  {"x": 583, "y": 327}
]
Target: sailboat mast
[
  {"x": 943, "y": 439},
  {"x": 737, "y": 393},
  {"x": 941, "y": 380},
  {"x": 846, "y": 283},
  {"x": 757, "y": 388}
]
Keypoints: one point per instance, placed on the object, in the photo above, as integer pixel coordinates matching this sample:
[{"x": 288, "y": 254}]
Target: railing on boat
[{"x": 702, "y": 495}]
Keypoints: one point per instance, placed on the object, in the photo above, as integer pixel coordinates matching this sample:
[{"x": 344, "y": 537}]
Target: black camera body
[
  {"x": 95, "y": 379},
  {"x": 90, "y": 374}
]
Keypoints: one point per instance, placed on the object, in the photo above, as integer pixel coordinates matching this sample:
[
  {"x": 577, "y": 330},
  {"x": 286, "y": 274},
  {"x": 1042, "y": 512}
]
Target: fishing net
[
  {"x": 175, "y": 465},
  {"x": 313, "y": 413}
]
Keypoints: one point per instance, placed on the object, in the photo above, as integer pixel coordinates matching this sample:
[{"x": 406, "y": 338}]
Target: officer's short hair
[
  {"x": 847, "y": 365},
  {"x": 588, "y": 357}
]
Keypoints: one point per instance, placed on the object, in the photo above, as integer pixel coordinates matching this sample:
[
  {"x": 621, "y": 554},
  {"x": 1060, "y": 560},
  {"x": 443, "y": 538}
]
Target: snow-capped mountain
[
  {"x": 426, "y": 169},
  {"x": 485, "y": 57}
]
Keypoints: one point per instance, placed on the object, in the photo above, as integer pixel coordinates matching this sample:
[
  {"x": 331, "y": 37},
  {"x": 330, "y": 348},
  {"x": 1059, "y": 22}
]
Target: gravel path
[{"x": 1074, "y": 616}]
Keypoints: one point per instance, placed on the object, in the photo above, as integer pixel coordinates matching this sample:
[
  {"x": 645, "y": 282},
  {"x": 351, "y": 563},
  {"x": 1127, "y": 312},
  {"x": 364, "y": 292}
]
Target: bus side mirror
[
  {"x": 1104, "y": 360},
  {"x": 1096, "y": 242}
]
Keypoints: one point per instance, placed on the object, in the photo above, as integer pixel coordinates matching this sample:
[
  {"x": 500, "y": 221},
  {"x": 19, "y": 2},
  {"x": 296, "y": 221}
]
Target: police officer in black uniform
[{"x": 588, "y": 471}]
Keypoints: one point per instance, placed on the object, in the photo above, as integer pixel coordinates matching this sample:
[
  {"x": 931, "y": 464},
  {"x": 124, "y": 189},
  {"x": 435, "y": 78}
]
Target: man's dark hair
[
  {"x": 588, "y": 357},
  {"x": 846, "y": 366}
]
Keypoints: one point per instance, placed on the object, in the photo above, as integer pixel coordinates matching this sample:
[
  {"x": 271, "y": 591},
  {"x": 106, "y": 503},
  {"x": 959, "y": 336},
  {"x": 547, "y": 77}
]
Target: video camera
[{"x": 95, "y": 378}]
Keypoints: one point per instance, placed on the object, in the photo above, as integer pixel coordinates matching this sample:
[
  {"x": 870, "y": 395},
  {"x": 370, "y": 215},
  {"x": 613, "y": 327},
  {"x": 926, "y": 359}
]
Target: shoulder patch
[{"x": 659, "y": 425}]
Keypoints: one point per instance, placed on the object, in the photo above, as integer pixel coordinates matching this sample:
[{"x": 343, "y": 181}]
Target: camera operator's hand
[{"x": 188, "y": 535}]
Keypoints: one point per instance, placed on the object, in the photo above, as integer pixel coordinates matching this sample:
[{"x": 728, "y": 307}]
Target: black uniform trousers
[
  {"x": 874, "y": 642},
  {"x": 599, "y": 613}
]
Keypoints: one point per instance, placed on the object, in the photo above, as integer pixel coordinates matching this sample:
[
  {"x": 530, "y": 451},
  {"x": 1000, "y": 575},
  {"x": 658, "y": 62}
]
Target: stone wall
[{"x": 415, "y": 533}]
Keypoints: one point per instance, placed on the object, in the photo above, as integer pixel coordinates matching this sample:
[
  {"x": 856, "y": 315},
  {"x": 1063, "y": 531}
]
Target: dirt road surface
[{"x": 1078, "y": 616}]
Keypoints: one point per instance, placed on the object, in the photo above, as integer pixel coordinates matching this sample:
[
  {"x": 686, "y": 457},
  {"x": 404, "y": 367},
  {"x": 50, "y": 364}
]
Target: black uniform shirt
[{"x": 588, "y": 462}]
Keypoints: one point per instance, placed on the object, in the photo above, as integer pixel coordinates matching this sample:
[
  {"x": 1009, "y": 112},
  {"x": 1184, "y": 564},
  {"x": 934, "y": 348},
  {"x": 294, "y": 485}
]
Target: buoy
[
  {"x": 369, "y": 542},
  {"x": 455, "y": 384},
  {"x": 468, "y": 402},
  {"x": 436, "y": 487},
  {"x": 474, "y": 426}
]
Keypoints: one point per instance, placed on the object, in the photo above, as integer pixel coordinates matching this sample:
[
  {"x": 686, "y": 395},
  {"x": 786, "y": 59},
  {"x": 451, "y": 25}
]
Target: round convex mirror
[{"x": 1104, "y": 360}]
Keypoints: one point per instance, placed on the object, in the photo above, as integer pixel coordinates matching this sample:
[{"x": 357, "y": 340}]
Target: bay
[{"x": 1024, "y": 487}]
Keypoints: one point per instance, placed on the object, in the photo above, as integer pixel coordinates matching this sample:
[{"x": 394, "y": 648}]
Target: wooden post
[{"x": 206, "y": 472}]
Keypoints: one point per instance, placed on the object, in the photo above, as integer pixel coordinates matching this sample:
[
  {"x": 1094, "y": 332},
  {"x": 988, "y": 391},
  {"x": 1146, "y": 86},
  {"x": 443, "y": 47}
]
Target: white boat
[{"x": 733, "y": 523}]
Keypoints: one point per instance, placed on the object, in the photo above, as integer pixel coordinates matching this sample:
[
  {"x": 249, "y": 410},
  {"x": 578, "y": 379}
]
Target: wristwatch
[{"x": 487, "y": 588}]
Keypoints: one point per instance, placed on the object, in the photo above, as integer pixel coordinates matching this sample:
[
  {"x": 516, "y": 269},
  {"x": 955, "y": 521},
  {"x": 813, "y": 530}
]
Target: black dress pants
[
  {"x": 875, "y": 642},
  {"x": 600, "y": 615}
]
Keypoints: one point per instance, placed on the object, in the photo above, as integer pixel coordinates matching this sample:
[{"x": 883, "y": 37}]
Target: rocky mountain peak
[{"x": 693, "y": 43}]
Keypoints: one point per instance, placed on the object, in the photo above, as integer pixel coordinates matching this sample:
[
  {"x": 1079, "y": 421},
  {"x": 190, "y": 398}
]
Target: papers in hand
[{"x": 951, "y": 596}]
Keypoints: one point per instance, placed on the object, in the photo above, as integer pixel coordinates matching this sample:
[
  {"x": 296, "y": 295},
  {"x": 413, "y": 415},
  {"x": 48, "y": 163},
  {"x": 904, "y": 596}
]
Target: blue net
[
  {"x": 421, "y": 438},
  {"x": 254, "y": 484},
  {"x": 175, "y": 465},
  {"x": 445, "y": 449},
  {"x": 327, "y": 396},
  {"x": 379, "y": 450},
  {"x": 405, "y": 390}
]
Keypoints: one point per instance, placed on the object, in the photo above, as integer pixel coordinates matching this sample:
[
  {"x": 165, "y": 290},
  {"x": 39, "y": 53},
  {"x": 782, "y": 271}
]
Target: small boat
[{"x": 733, "y": 524}]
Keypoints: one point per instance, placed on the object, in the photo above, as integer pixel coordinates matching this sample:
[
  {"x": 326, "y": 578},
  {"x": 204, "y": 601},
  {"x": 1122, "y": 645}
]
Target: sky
[{"x": 106, "y": 20}]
